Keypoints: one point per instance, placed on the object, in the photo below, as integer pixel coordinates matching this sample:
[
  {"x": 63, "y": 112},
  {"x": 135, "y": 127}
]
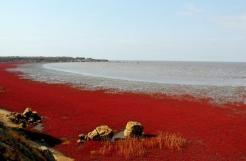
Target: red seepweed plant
[
  {"x": 134, "y": 147},
  {"x": 1, "y": 90}
]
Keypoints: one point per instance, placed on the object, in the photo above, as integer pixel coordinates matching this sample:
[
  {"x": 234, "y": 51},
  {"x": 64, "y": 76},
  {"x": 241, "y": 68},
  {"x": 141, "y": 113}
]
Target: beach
[{"x": 216, "y": 132}]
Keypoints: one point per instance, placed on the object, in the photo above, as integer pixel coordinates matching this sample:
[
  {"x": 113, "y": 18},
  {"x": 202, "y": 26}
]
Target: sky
[{"x": 180, "y": 30}]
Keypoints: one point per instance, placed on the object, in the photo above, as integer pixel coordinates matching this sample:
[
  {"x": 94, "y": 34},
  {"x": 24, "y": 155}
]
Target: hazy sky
[{"x": 206, "y": 30}]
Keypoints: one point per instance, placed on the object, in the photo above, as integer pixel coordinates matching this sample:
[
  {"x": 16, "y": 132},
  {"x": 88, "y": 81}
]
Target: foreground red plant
[
  {"x": 1, "y": 89},
  {"x": 134, "y": 147}
]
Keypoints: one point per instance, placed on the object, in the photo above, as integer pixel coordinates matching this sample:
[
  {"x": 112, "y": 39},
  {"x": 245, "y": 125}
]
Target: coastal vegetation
[
  {"x": 192, "y": 129},
  {"x": 40, "y": 59},
  {"x": 132, "y": 142},
  {"x": 138, "y": 147},
  {"x": 1, "y": 89}
]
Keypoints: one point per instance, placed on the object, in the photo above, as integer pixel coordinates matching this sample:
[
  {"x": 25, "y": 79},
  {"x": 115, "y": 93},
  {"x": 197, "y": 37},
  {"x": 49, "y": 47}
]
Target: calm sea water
[
  {"x": 182, "y": 73},
  {"x": 222, "y": 82}
]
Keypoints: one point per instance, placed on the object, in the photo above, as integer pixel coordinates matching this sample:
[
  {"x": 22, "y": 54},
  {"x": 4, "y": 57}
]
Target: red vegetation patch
[
  {"x": 217, "y": 133},
  {"x": 1, "y": 90},
  {"x": 132, "y": 147}
]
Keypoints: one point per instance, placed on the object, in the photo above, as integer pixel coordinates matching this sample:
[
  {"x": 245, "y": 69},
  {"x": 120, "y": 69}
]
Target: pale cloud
[
  {"x": 190, "y": 10},
  {"x": 237, "y": 22}
]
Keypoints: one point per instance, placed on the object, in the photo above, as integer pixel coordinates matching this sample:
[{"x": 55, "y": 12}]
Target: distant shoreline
[{"x": 41, "y": 59}]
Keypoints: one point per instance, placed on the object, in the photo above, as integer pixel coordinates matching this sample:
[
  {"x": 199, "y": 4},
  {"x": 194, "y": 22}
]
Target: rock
[
  {"x": 82, "y": 138},
  {"x": 133, "y": 129},
  {"x": 31, "y": 116},
  {"x": 102, "y": 132},
  {"x": 34, "y": 118},
  {"x": 47, "y": 153},
  {"x": 28, "y": 117},
  {"x": 23, "y": 124},
  {"x": 16, "y": 117},
  {"x": 27, "y": 112},
  {"x": 80, "y": 141}
]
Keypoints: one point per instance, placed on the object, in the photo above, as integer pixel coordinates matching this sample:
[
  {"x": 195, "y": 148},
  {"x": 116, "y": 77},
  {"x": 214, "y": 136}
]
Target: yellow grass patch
[{"x": 138, "y": 147}]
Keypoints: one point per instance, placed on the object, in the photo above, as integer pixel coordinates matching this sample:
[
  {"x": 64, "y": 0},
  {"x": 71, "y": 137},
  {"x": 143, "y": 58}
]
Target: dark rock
[
  {"x": 28, "y": 117},
  {"x": 47, "y": 153},
  {"x": 133, "y": 129},
  {"x": 82, "y": 138}
]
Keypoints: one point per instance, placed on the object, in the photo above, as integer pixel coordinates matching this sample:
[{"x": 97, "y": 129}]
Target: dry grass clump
[
  {"x": 138, "y": 147},
  {"x": 126, "y": 148},
  {"x": 171, "y": 141}
]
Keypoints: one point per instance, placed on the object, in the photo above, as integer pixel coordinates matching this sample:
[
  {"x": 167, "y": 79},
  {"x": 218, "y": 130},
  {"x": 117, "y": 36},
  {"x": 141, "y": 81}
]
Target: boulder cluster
[
  {"x": 25, "y": 119},
  {"x": 104, "y": 132}
]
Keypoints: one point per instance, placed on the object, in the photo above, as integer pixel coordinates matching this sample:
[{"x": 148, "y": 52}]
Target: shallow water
[
  {"x": 183, "y": 73},
  {"x": 221, "y": 82}
]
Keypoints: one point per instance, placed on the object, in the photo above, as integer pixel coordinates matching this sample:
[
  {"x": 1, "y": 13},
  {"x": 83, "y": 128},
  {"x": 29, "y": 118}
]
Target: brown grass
[{"x": 139, "y": 147}]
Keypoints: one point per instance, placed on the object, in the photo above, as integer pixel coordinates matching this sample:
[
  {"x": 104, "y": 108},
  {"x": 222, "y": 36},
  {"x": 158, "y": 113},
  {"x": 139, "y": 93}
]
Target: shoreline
[
  {"x": 72, "y": 68},
  {"x": 216, "y": 94},
  {"x": 69, "y": 111}
]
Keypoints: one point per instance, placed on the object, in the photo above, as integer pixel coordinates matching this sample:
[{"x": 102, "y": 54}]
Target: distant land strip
[{"x": 40, "y": 59}]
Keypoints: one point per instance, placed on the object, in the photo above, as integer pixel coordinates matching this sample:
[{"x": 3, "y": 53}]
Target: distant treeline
[{"x": 48, "y": 59}]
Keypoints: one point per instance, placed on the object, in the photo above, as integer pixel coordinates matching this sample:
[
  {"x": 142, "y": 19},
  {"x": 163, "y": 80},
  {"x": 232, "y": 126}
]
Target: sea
[
  {"x": 218, "y": 81},
  {"x": 184, "y": 73}
]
